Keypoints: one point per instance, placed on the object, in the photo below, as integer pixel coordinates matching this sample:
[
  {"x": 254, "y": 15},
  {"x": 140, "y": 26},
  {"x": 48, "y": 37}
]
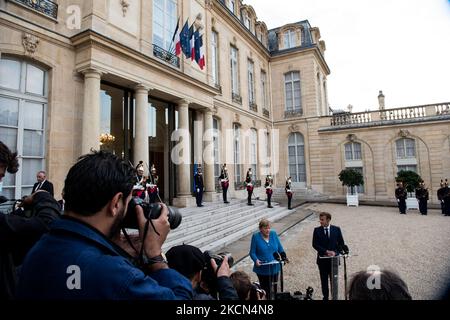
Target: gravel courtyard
[{"x": 416, "y": 247}]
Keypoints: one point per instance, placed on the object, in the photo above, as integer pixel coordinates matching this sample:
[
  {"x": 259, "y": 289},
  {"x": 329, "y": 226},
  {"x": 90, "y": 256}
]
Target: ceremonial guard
[
  {"x": 139, "y": 185},
  {"x": 289, "y": 193},
  {"x": 446, "y": 195},
  {"x": 422, "y": 196},
  {"x": 152, "y": 185},
  {"x": 249, "y": 185},
  {"x": 400, "y": 194},
  {"x": 224, "y": 182},
  {"x": 199, "y": 187},
  {"x": 269, "y": 191},
  {"x": 440, "y": 195}
]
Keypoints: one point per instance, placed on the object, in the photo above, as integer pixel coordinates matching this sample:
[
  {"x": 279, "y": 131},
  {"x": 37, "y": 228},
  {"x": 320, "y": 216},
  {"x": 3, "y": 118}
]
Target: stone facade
[{"x": 108, "y": 46}]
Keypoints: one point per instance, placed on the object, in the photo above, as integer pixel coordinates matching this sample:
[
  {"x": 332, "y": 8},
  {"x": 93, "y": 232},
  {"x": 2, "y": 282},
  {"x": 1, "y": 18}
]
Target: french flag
[
  {"x": 201, "y": 62},
  {"x": 192, "y": 42},
  {"x": 177, "y": 40}
]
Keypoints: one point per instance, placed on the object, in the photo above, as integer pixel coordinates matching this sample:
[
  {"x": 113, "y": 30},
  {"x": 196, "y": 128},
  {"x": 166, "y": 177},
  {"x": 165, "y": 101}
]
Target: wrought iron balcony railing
[
  {"x": 46, "y": 7},
  {"x": 236, "y": 98},
  {"x": 266, "y": 112},
  {"x": 293, "y": 113},
  {"x": 253, "y": 106},
  {"x": 166, "y": 56}
]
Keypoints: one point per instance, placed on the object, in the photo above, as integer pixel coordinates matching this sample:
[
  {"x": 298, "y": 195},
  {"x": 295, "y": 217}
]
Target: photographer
[
  {"x": 191, "y": 262},
  {"x": 19, "y": 233},
  {"x": 78, "y": 260},
  {"x": 245, "y": 288}
]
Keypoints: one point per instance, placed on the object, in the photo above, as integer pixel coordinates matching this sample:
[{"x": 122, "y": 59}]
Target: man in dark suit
[
  {"x": 42, "y": 183},
  {"x": 328, "y": 241}
]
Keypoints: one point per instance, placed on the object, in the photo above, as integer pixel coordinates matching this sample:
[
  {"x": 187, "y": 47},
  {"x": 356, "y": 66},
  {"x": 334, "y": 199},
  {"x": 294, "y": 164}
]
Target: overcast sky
[{"x": 399, "y": 46}]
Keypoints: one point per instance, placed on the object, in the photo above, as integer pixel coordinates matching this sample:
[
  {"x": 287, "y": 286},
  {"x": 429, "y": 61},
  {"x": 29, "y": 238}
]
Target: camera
[
  {"x": 209, "y": 275},
  {"x": 151, "y": 211},
  {"x": 256, "y": 292},
  {"x": 297, "y": 295}
]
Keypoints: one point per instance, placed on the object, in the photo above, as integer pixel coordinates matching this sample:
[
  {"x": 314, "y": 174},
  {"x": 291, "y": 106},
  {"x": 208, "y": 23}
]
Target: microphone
[
  {"x": 280, "y": 256},
  {"x": 343, "y": 249}
]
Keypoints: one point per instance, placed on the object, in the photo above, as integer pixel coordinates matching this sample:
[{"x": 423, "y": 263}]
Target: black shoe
[
  {"x": 200, "y": 205},
  {"x": 269, "y": 207},
  {"x": 227, "y": 202},
  {"x": 250, "y": 204}
]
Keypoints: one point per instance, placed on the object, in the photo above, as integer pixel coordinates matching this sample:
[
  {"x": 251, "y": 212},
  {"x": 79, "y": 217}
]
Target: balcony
[
  {"x": 266, "y": 113},
  {"x": 46, "y": 7},
  {"x": 166, "y": 56},
  {"x": 293, "y": 113},
  {"x": 431, "y": 112},
  {"x": 253, "y": 106},
  {"x": 236, "y": 98}
]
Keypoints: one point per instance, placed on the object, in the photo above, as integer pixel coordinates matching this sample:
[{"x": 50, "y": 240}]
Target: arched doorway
[{"x": 296, "y": 159}]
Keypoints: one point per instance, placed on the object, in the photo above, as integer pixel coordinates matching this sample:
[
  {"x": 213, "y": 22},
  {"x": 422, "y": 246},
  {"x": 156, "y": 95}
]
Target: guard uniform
[
  {"x": 224, "y": 182},
  {"x": 289, "y": 192},
  {"x": 400, "y": 194},
  {"x": 249, "y": 185},
  {"x": 269, "y": 190},
  {"x": 422, "y": 197}
]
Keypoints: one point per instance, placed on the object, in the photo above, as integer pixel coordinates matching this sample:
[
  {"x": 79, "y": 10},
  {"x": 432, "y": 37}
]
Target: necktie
[{"x": 326, "y": 233}]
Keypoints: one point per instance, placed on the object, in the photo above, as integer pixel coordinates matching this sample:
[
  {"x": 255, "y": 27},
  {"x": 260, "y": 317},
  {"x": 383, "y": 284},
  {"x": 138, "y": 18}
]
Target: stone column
[
  {"x": 141, "y": 126},
  {"x": 208, "y": 154},
  {"x": 184, "y": 172},
  {"x": 90, "y": 127},
  {"x": 198, "y": 137}
]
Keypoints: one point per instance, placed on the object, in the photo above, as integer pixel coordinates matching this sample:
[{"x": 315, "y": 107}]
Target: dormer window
[{"x": 289, "y": 39}]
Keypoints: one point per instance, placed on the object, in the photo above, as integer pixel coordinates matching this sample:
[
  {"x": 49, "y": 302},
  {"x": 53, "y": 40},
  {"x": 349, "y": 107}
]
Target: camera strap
[{"x": 141, "y": 252}]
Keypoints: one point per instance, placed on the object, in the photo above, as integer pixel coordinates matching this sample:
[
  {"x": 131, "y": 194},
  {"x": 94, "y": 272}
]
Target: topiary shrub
[
  {"x": 351, "y": 178},
  {"x": 409, "y": 178}
]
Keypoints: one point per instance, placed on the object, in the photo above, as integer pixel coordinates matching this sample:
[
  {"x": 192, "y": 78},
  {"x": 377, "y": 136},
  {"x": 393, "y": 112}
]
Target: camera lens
[{"x": 153, "y": 211}]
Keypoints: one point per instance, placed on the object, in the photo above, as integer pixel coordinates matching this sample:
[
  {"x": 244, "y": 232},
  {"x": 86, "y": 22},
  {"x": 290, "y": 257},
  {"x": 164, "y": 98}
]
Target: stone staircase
[
  {"x": 300, "y": 194},
  {"x": 217, "y": 225}
]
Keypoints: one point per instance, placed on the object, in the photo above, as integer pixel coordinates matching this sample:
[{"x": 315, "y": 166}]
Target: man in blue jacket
[
  {"x": 328, "y": 241},
  {"x": 77, "y": 259}
]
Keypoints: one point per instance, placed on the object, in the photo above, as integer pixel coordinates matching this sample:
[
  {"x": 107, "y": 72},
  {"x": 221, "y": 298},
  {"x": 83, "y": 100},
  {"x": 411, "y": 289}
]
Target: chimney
[{"x": 381, "y": 100}]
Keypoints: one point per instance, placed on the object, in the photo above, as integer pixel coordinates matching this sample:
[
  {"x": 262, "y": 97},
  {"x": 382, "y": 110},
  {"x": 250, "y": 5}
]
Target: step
[
  {"x": 209, "y": 222},
  {"x": 225, "y": 241},
  {"x": 221, "y": 231}
]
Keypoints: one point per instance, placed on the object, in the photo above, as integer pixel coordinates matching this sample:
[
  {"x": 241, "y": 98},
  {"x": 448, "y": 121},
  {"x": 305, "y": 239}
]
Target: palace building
[{"x": 78, "y": 75}]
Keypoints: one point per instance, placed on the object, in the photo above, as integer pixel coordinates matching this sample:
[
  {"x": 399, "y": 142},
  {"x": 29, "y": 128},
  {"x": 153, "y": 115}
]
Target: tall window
[
  {"x": 216, "y": 149},
  {"x": 296, "y": 153},
  {"x": 246, "y": 20},
  {"x": 237, "y": 154},
  {"x": 353, "y": 151},
  {"x": 406, "y": 154},
  {"x": 251, "y": 83},
  {"x": 406, "y": 148},
  {"x": 164, "y": 23},
  {"x": 23, "y": 105},
  {"x": 234, "y": 71},
  {"x": 232, "y": 5},
  {"x": 289, "y": 39},
  {"x": 264, "y": 88},
  {"x": 215, "y": 57},
  {"x": 292, "y": 91},
  {"x": 254, "y": 152}
]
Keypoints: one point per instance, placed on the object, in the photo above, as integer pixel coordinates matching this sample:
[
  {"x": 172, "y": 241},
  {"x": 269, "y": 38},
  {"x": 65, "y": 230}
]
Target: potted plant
[
  {"x": 410, "y": 181},
  {"x": 351, "y": 178}
]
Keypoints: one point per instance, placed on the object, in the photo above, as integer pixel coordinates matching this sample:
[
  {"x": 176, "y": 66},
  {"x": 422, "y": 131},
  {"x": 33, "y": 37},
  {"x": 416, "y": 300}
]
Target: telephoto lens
[
  {"x": 154, "y": 211},
  {"x": 151, "y": 211}
]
